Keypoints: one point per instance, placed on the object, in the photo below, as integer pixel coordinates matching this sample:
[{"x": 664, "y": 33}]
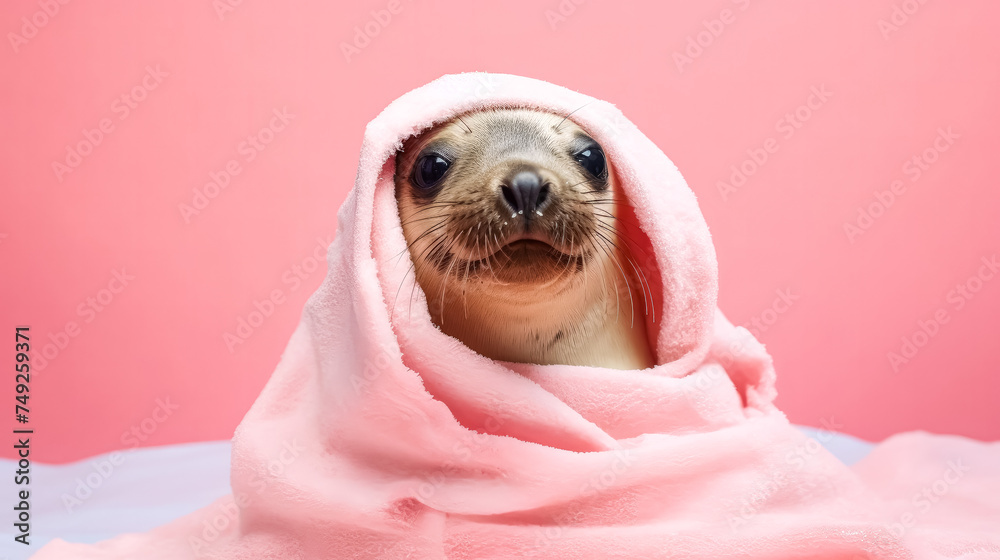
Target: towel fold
[{"x": 378, "y": 436}]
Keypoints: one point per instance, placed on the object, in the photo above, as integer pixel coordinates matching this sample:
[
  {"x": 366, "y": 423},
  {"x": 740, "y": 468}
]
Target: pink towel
[{"x": 380, "y": 437}]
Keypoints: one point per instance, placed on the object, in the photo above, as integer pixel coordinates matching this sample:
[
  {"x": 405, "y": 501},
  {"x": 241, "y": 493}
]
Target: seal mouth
[
  {"x": 524, "y": 258},
  {"x": 528, "y": 246},
  {"x": 522, "y": 250}
]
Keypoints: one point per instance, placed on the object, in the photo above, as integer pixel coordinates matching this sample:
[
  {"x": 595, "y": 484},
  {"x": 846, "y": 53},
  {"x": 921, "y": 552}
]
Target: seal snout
[
  {"x": 506, "y": 196},
  {"x": 525, "y": 193}
]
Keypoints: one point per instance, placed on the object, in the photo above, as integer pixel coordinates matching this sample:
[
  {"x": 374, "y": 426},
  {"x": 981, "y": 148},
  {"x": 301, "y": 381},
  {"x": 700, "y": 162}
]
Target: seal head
[{"x": 510, "y": 217}]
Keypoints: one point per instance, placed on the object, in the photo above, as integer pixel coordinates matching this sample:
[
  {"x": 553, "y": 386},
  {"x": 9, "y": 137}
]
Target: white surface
[
  {"x": 152, "y": 486},
  {"x": 148, "y": 487}
]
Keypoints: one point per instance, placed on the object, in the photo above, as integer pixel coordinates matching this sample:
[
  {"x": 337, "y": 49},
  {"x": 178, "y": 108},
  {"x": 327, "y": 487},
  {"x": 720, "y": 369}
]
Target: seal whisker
[
  {"x": 646, "y": 302},
  {"x": 486, "y": 243},
  {"x": 438, "y": 204},
  {"x": 442, "y": 201},
  {"x": 555, "y": 266},
  {"x": 626, "y": 253},
  {"x": 392, "y": 313},
  {"x": 571, "y": 257},
  {"x": 426, "y": 232},
  {"x": 587, "y": 180},
  {"x": 624, "y": 277},
  {"x": 425, "y": 218},
  {"x": 619, "y": 232},
  {"x": 487, "y": 251},
  {"x": 403, "y": 281},
  {"x": 627, "y": 250},
  {"x": 643, "y": 283},
  {"x": 569, "y": 260},
  {"x": 614, "y": 278},
  {"x": 447, "y": 273},
  {"x": 610, "y": 224},
  {"x": 586, "y": 281},
  {"x": 465, "y": 280},
  {"x": 571, "y": 113},
  {"x": 499, "y": 250},
  {"x": 430, "y": 248}
]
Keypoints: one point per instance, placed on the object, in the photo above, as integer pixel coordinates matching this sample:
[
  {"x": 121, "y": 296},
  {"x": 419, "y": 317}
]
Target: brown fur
[{"x": 554, "y": 287}]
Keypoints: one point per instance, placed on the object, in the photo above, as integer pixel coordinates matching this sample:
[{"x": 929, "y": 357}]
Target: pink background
[{"x": 160, "y": 340}]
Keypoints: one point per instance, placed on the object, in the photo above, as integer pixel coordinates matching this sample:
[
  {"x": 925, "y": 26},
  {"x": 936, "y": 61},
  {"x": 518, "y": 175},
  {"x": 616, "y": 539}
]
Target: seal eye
[
  {"x": 429, "y": 170},
  {"x": 592, "y": 159}
]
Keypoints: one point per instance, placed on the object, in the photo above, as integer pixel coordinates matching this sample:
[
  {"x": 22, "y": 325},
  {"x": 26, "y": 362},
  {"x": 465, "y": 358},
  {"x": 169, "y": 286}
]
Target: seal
[{"x": 511, "y": 219}]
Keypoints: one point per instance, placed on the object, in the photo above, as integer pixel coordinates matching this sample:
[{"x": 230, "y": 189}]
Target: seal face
[{"x": 510, "y": 217}]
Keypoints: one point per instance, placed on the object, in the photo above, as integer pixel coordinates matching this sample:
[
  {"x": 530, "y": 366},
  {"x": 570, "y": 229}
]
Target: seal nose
[{"x": 525, "y": 192}]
